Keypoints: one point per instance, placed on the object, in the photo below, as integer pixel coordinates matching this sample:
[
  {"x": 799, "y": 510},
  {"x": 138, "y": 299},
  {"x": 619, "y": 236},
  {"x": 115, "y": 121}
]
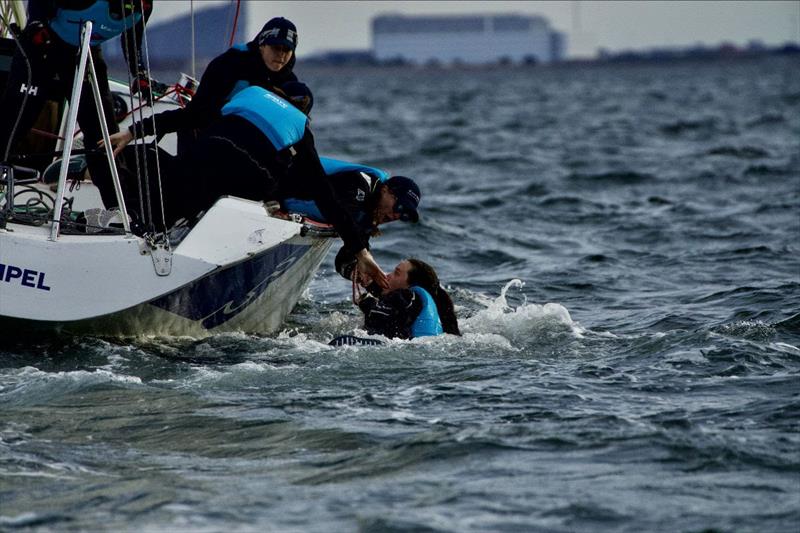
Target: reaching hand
[
  {"x": 118, "y": 140},
  {"x": 367, "y": 267}
]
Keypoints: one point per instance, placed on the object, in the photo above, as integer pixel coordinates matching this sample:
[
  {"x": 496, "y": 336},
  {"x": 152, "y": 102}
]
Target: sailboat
[{"x": 240, "y": 267}]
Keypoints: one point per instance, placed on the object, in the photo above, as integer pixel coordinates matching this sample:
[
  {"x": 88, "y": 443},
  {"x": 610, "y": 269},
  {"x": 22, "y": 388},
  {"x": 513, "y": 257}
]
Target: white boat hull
[{"x": 237, "y": 270}]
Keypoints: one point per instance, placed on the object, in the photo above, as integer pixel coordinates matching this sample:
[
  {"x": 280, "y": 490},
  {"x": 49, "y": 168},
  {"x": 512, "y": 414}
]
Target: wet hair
[{"x": 423, "y": 275}]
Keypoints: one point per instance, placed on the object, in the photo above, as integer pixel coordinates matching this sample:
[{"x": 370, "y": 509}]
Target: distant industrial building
[{"x": 470, "y": 39}]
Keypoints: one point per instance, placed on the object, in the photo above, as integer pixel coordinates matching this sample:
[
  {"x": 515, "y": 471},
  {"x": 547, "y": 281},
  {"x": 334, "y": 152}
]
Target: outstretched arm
[{"x": 333, "y": 211}]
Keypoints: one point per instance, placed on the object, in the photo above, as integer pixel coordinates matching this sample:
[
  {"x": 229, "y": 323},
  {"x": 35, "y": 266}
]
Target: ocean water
[{"x": 621, "y": 243}]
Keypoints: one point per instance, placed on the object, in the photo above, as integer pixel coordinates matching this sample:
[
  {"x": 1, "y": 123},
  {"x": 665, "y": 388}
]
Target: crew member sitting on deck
[
  {"x": 50, "y": 42},
  {"x": 413, "y": 305},
  {"x": 266, "y": 61}
]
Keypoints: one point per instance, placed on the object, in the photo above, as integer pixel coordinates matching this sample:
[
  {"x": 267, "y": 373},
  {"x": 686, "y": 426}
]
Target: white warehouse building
[{"x": 469, "y": 39}]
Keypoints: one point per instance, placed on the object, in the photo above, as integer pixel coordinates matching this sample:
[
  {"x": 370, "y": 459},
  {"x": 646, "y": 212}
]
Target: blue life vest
[
  {"x": 68, "y": 22},
  {"x": 307, "y": 208},
  {"x": 281, "y": 122},
  {"x": 332, "y": 166},
  {"x": 428, "y": 322},
  {"x": 238, "y": 87}
]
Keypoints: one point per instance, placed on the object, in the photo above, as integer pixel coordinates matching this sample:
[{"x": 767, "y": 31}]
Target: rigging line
[
  {"x": 29, "y": 71},
  {"x": 144, "y": 171},
  {"x": 136, "y": 131},
  {"x": 235, "y": 21},
  {"x": 191, "y": 17},
  {"x": 152, "y": 105},
  {"x": 228, "y": 23}
]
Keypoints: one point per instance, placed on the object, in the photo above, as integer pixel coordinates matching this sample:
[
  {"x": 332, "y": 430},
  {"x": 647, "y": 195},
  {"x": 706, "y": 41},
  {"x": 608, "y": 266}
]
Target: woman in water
[{"x": 413, "y": 305}]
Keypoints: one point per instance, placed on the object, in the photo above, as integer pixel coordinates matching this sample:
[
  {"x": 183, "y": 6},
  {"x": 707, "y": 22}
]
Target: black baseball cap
[{"x": 278, "y": 31}]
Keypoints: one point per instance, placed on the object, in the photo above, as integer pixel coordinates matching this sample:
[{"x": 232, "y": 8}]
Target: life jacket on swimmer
[
  {"x": 331, "y": 166},
  {"x": 279, "y": 121},
  {"x": 427, "y": 323},
  {"x": 67, "y": 23}
]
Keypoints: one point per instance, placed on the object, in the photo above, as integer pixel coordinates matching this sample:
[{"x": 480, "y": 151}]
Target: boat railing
[{"x": 85, "y": 63}]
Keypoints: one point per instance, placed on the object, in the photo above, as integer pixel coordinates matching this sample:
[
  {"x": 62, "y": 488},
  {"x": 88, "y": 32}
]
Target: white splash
[{"x": 521, "y": 322}]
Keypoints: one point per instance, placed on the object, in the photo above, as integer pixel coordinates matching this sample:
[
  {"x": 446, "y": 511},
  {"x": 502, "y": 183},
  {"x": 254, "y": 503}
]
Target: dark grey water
[{"x": 641, "y": 376}]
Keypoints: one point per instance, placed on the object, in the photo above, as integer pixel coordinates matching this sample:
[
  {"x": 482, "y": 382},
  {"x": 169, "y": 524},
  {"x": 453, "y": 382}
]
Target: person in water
[
  {"x": 267, "y": 61},
  {"x": 50, "y": 42},
  {"x": 413, "y": 304}
]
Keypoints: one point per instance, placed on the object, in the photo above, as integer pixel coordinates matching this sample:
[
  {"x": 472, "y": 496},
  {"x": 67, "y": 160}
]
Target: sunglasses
[{"x": 405, "y": 214}]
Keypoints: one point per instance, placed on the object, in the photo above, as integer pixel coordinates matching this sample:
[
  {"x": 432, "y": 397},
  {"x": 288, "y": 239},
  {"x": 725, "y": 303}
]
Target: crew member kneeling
[{"x": 248, "y": 153}]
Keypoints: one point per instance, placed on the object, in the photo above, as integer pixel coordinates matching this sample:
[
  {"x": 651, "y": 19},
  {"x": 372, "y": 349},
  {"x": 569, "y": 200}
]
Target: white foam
[
  {"x": 100, "y": 375},
  {"x": 520, "y": 322},
  {"x": 786, "y": 348}
]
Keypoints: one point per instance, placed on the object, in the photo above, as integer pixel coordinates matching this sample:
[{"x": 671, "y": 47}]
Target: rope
[
  {"x": 356, "y": 286},
  {"x": 235, "y": 21},
  {"x": 158, "y": 163},
  {"x": 191, "y": 10},
  {"x": 138, "y": 162}
]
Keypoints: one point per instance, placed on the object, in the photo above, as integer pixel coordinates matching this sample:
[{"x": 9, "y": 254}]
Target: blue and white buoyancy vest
[
  {"x": 428, "y": 322},
  {"x": 333, "y": 166},
  {"x": 68, "y": 23},
  {"x": 281, "y": 122}
]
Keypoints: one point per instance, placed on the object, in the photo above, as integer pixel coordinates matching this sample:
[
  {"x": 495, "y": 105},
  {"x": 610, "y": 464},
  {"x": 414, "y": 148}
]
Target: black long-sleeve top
[
  {"x": 216, "y": 85},
  {"x": 391, "y": 314},
  {"x": 356, "y": 195},
  {"x": 308, "y": 175},
  {"x": 131, "y": 39}
]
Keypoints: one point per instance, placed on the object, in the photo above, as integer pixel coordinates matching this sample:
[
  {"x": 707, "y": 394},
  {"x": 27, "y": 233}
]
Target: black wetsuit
[
  {"x": 233, "y": 157},
  {"x": 355, "y": 193},
  {"x": 391, "y": 314},
  {"x": 52, "y": 63},
  {"x": 223, "y": 73}
]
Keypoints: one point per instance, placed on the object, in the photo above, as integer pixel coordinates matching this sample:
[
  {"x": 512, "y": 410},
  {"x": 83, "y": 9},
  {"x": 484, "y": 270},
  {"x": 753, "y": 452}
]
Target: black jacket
[
  {"x": 356, "y": 193},
  {"x": 216, "y": 85},
  {"x": 391, "y": 314}
]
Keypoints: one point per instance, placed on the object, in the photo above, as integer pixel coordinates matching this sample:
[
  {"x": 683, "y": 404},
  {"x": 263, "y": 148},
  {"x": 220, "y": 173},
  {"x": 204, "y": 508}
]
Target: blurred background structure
[{"x": 467, "y": 39}]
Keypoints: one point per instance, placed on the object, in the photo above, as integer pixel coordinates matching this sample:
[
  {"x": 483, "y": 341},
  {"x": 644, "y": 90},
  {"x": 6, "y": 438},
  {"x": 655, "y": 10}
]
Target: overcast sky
[{"x": 615, "y": 25}]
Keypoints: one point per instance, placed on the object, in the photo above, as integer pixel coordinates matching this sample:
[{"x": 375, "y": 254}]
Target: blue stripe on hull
[{"x": 222, "y": 295}]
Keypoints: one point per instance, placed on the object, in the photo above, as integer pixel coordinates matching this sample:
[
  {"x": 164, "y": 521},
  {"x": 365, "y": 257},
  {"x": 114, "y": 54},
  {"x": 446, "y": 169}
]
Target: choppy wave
[{"x": 621, "y": 247}]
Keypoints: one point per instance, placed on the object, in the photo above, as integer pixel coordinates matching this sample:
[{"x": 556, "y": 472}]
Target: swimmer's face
[
  {"x": 398, "y": 278},
  {"x": 275, "y": 56}
]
